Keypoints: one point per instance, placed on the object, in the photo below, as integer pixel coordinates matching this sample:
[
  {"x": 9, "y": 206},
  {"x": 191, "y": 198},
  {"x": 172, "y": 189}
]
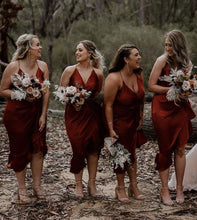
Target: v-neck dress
[
  {"x": 126, "y": 117},
  {"x": 172, "y": 124},
  {"x": 84, "y": 127},
  {"x": 21, "y": 119}
]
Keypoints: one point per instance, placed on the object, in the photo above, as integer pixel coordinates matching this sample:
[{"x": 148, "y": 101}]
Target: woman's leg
[
  {"x": 164, "y": 192},
  {"x": 36, "y": 167},
  {"x": 120, "y": 188},
  {"x": 79, "y": 184},
  {"x": 22, "y": 190},
  {"x": 133, "y": 188},
  {"x": 180, "y": 161},
  {"x": 92, "y": 162}
]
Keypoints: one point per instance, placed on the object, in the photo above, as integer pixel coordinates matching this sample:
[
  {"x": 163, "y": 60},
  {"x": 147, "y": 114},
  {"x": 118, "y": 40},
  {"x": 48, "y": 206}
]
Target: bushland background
[{"x": 60, "y": 25}]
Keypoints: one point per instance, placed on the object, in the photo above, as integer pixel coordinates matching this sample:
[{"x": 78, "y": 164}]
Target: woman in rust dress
[
  {"x": 25, "y": 120},
  {"x": 124, "y": 101},
  {"x": 84, "y": 125},
  {"x": 171, "y": 120}
]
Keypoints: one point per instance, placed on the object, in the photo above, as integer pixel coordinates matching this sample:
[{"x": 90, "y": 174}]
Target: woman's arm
[
  {"x": 112, "y": 85},
  {"x": 141, "y": 110},
  {"x": 65, "y": 78},
  {"x": 100, "y": 78},
  {"x": 155, "y": 74},
  {"x": 10, "y": 70},
  {"x": 45, "y": 101}
]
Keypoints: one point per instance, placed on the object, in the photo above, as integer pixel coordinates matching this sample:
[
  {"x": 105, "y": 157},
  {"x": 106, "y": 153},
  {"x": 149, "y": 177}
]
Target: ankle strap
[{"x": 120, "y": 187}]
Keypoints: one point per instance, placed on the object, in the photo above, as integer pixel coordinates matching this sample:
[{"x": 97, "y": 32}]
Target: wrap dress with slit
[
  {"x": 84, "y": 127},
  {"x": 126, "y": 117},
  {"x": 172, "y": 124},
  {"x": 21, "y": 119}
]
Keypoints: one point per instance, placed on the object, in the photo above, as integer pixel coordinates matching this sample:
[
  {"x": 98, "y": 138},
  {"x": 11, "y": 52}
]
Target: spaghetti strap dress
[
  {"x": 126, "y": 117},
  {"x": 21, "y": 119},
  {"x": 172, "y": 124},
  {"x": 84, "y": 127}
]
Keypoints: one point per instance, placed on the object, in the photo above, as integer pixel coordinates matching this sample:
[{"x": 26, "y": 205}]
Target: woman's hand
[
  {"x": 42, "y": 123},
  {"x": 140, "y": 125},
  {"x": 113, "y": 134}
]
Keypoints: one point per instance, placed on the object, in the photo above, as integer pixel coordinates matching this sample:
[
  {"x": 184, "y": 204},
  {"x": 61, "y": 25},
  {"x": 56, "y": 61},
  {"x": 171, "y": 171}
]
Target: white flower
[
  {"x": 46, "y": 83},
  {"x": 119, "y": 154},
  {"x": 71, "y": 90},
  {"x": 18, "y": 95},
  {"x": 180, "y": 73},
  {"x": 171, "y": 94},
  {"x": 26, "y": 82},
  {"x": 195, "y": 85},
  {"x": 186, "y": 85}
]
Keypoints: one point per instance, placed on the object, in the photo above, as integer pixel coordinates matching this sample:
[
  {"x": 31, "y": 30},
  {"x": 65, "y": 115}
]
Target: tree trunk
[
  {"x": 151, "y": 135},
  {"x": 141, "y": 12},
  {"x": 32, "y": 17}
]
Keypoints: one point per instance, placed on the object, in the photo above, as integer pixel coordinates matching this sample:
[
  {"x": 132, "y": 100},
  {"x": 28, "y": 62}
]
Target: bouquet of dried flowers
[
  {"x": 74, "y": 95},
  {"x": 27, "y": 88},
  {"x": 183, "y": 84},
  {"x": 118, "y": 154}
]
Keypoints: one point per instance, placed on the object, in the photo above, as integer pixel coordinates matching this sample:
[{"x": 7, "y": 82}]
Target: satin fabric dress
[
  {"x": 84, "y": 127},
  {"x": 21, "y": 119},
  {"x": 126, "y": 117},
  {"x": 172, "y": 124}
]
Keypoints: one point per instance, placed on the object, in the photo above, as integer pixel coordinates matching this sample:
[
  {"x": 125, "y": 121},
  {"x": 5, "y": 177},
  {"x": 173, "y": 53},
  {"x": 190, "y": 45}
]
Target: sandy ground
[{"x": 58, "y": 183}]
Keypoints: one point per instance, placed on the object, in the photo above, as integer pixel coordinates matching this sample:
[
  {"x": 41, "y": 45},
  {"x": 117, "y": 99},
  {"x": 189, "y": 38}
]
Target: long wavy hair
[
  {"x": 180, "y": 49},
  {"x": 23, "y": 43},
  {"x": 118, "y": 62},
  {"x": 96, "y": 57}
]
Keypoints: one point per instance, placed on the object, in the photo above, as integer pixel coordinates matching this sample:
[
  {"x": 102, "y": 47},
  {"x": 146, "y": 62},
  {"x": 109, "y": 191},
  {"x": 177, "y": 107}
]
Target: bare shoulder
[
  {"x": 69, "y": 70},
  {"x": 42, "y": 65},
  {"x": 12, "y": 68},
  {"x": 98, "y": 72},
  {"x": 161, "y": 60},
  {"x": 114, "y": 77}
]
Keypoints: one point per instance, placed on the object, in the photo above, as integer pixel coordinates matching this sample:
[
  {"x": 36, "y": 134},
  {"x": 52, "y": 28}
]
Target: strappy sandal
[
  {"x": 121, "y": 199},
  {"x": 180, "y": 200},
  {"x": 97, "y": 193},
  {"x": 132, "y": 194},
  {"x": 167, "y": 202}
]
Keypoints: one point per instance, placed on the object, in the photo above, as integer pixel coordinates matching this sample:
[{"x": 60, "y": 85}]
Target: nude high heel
[
  {"x": 38, "y": 192},
  {"x": 79, "y": 191},
  {"x": 121, "y": 199},
  {"x": 96, "y": 194},
  {"x": 23, "y": 197},
  {"x": 131, "y": 192},
  {"x": 180, "y": 200},
  {"x": 167, "y": 202}
]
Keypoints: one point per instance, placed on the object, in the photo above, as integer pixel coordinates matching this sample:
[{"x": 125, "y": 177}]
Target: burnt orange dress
[
  {"x": 126, "y": 117},
  {"x": 84, "y": 127},
  {"x": 21, "y": 119},
  {"x": 172, "y": 124}
]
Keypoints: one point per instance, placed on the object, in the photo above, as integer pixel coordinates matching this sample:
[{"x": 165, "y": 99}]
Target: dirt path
[{"x": 59, "y": 185}]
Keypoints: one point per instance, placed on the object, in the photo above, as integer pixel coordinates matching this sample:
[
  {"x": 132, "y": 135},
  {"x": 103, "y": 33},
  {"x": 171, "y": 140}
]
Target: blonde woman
[
  {"x": 25, "y": 120},
  {"x": 84, "y": 125},
  {"x": 171, "y": 120}
]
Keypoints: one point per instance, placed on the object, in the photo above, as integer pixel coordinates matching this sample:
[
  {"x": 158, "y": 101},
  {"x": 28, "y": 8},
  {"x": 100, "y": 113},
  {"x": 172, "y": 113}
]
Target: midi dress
[
  {"x": 172, "y": 124},
  {"x": 84, "y": 127},
  {"x": 21, "y": 119},
  {"x": 126, "y": 117}
]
